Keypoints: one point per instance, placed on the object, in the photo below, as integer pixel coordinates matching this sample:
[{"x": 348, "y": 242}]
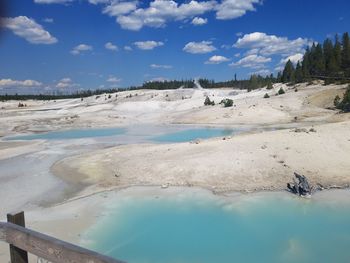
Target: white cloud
[
  {"x": 267, "y": 45},
  {"x": 217, "y": 60},
  {"x": 252, "y": 61},
  {"x": 293, "y": 58},
  {"x": 48, "y": 20},
  {"x": 114, "y": 80},
  {"x": 28, "y": 29},
  {"x": 66, "y": 83},
  {"x": 9, "y": 83},
  {"x": 159, "y": 79},
  {"x": 157, "y": 13},
  {"x": 111, "y": 46},
  {"x": 117, "y": 8},
  {"x": 199, "y": 47},
  {"x": 262, "y": 72},
  {"x": 127, "y": 48},
  {"x": 95, "y": 2},
  {"x": 52, "y": 1},
  {"x": 148, "y": 45},
  {"x": 160, "y": 12},
  {"x": 157, "y": 66},
  {"x": 81, "y": 48},
  {"x": 231, "y": 9},
  {"x": 199, "y": 21}
]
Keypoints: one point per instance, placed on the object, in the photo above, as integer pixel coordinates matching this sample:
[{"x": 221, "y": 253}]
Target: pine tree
[
  {"x": 328, "y": 55},
  {"x": 306, "y": 65},
  {"x": 346, "y": 54},
  {"x": 298, "y": 73},
  {"x": 319, "y": 61},
  {"x": 288, "y": 74},
  {"x": 337, "y": 54}
]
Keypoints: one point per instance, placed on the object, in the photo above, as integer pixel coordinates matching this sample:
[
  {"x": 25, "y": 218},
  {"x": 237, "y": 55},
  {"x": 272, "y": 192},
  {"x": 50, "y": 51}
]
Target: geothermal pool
[
  {"x": 270, "y": 227},
  {"x": 160, "y": 134}
]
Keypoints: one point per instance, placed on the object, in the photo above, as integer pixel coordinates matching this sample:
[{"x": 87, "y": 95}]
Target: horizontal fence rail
[{"x": 46, "y": 247}]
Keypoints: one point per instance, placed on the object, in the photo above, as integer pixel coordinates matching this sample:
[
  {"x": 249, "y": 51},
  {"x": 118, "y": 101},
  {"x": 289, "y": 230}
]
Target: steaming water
[{"x": 271, "y": 228}]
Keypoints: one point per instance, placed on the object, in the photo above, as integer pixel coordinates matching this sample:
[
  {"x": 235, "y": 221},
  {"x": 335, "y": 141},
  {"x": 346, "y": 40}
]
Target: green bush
[
  {"x": 208, "y": 102},
  {"x": 336, "y": 101},
  {"x": 269, "y": 86},
  {"x": 343, "y": 105},
  {"x": 227, "y": 102},
  {"x": 266, "y": 96},
  {"x": 281, "y": 91}
]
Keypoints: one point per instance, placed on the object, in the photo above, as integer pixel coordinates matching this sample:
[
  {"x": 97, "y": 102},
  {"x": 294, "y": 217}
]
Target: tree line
[{"x": 329, "y": 61}]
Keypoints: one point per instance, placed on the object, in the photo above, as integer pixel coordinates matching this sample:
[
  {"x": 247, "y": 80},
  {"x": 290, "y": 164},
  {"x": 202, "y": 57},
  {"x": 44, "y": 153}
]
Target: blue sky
[{"x": 88, "y": 44}]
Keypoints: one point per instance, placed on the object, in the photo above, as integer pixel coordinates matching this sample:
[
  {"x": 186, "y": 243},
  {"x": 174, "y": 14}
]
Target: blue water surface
[
  {"x": 182, "y": 135},
  {"x": 71, "y": 134},
  {"x": 252, "y": 230},
  {"x": 193, "y": 134}
]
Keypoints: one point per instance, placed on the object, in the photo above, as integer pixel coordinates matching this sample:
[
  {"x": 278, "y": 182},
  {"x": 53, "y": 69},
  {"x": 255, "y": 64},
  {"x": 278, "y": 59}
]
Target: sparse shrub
[
  {"x": 281, "y": 91},
  {"x": 269, "y": 86},
  {"x": 266, "y": 96},
  {"x": 336, "y": 101},
  {"x": 296, "y": 90},
  {"x": 227, "y": 102},
  {"x": 109, "y": 96},
  {"x": 344, "y": 105},
  {"x": 208, "y": 102}
]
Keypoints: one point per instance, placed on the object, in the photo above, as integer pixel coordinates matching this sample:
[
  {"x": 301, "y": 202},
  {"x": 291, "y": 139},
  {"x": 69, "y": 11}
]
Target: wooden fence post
[{"x": 17, "y": 255}]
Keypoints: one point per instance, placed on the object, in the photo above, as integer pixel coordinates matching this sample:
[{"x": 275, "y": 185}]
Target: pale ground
[{"x": 262, "y": 159}]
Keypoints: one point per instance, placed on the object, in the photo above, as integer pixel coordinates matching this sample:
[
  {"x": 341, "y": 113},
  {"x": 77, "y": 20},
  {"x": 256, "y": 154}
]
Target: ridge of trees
[{"x": 329, "y": 61}]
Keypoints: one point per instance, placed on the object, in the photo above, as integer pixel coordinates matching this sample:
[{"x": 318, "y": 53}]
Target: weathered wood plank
[
  {"x": 49, "y": 248},
  {"x": 17, "y": 255}
]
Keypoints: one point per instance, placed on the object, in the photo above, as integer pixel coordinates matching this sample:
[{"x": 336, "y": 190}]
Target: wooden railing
[{"x": 23, "y": 241}]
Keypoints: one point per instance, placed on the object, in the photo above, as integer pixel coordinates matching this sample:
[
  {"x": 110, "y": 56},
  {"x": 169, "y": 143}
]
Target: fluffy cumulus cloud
[
  {"x": 266, "y": 45},
  {"x": 157, "y": 66},
  {"x": 231, "y": 9},
  {"x": 66, "y": 83},
  {"x": 81, "y": 48},
  {"x": 117, "y": 8},
  {"x": 30, "y": 30},
  {"x": 111, "y": 46},
  {"x": 127, "y": 48},
  {"x": 148, "y": 45},
  {"x": 217, "y": 60},
  {"x": 199, "y": 21},
  {"x": 199, "y": 47},
  {"x": 252, "y": 61},
  {"x": 134, "y": 15},
  {"x": 159, "y": 12},
  {"x": 113, "y": 80},
  {"x": 9, "y": 83},
  {"x": 261, "y": 72},
  {"x": 293, "y": 58}
]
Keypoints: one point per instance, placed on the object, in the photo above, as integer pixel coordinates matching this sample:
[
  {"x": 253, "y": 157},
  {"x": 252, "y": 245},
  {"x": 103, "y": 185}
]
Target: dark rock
[{"x": 302, "y": 187}]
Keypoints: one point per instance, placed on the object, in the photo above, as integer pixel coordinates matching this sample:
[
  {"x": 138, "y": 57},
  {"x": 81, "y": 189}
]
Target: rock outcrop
[{"x": 302, "y": 187}]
